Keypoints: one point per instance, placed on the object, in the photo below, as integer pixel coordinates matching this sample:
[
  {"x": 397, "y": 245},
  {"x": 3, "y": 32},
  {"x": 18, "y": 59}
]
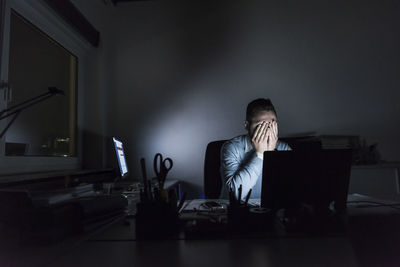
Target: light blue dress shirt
[{"x": 241, "y": 165}]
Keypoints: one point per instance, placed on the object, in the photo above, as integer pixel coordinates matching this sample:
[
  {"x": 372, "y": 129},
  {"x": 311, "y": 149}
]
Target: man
[{"x": 242, "y": 156}]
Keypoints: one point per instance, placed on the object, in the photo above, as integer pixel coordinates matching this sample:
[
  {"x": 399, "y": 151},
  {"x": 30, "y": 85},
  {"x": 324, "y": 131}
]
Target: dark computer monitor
[
  {"x": 119, "y": 150},
  {"x": 316, "y": 177}
]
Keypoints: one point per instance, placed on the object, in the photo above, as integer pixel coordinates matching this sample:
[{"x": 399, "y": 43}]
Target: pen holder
[
  {"x": 155, "y": 220},
  {"x": 238, "y": 218}
]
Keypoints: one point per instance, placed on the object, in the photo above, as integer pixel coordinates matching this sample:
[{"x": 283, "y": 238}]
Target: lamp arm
[
  {"x": 9, "y": 123},
  {"x": 16, "y": 109},
  {"x": 28, "y": 104},
  {"x": 52, "y": 91}
]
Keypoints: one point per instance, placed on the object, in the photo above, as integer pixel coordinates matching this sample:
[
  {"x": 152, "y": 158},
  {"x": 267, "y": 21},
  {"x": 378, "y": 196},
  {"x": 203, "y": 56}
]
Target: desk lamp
[{"x": 16, "y": 109}]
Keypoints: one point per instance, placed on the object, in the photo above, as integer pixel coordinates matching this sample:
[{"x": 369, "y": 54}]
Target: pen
[
  {"x": 144, "y": 174},
  {"x": 247, "y": 197},
  {"x": 231, "y": 197},
  {"x": 240, "y": 194},
  {"x": 182, "y": 201},
  {"x": 172, "y": 199},
  {"x": 149, "y": 187},
  {"x": 156, "y": 194},
  {"x": 141, "y": 195}
]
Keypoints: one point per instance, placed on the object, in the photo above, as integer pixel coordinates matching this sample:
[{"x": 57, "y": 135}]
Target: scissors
[{"x": 161, "y": 169}]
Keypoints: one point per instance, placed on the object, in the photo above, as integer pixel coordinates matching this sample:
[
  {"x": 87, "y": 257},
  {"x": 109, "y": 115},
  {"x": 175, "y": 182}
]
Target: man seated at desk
[{"x": 242, "y": 156}]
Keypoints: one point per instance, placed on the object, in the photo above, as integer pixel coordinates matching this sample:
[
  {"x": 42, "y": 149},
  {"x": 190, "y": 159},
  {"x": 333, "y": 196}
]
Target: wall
[
  {"x": 99, "y": 84},
  {"x": 182, "y": 74}
]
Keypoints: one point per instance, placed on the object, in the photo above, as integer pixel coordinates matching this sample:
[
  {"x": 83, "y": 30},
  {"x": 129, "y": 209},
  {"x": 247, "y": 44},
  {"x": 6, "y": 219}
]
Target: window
[
  {"x": 40, "y": 50},
  {"x": 37, "y": 62}
]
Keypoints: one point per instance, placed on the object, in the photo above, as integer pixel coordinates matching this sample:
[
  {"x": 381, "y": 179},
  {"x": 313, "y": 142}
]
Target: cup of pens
[
  {"x": 157, "y": 211},
  {"x": 157, "y": 214},
  {"x": 243, "y": 218},
  {"x": 238, "y": 211}
]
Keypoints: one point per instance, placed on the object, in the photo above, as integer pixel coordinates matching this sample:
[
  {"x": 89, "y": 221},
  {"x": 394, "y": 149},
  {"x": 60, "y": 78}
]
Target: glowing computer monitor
[{"x": 119, "y": 150}]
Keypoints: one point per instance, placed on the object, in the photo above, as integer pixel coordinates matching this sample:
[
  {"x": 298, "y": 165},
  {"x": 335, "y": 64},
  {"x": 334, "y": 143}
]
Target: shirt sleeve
[{"x": 239, "y": 170}]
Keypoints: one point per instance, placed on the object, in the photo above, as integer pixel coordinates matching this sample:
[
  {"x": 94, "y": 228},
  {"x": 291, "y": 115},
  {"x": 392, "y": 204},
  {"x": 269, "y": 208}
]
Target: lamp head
[{"x": 55, "y": 91}]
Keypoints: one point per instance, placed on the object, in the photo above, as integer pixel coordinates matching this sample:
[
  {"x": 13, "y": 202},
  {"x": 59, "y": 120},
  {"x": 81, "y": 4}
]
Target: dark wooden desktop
[{"x": 372, "y": 239}]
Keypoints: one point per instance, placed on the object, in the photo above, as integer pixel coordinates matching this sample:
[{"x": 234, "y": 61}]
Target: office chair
[{"x": 212, "y": 177}]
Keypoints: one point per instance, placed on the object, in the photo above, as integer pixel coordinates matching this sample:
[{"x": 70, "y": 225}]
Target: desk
[
  {"x": 219, "y": 252},
  {"x": 378, "y": 180},
  {"x": 373, "y": 240}
]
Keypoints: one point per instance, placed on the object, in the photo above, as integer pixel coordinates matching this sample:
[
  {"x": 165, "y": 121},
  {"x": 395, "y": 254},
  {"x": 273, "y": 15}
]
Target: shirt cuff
[{"x": 260, "y": 155}]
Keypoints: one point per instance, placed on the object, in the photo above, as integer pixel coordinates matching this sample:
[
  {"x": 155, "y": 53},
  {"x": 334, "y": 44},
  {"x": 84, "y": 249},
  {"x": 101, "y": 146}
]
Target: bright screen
[{"x": 120, "y": 156}]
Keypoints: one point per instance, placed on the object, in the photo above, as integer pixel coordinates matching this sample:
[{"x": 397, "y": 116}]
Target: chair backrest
[{"x": 212, "y": 176}]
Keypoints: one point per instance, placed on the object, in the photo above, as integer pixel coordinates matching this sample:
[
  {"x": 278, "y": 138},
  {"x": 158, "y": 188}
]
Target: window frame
[{"x": 44, "y": 18}]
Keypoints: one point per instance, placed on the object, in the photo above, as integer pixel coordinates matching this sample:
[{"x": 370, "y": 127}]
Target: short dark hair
[{"x": 257, "y": 105}]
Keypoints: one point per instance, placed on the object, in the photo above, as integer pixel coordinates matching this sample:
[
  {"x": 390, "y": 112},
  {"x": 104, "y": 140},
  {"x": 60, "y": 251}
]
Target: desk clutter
[
  {"x": 224, "y": 217},
  {"x": 50, "y": 216},
  {"x": 243, "y": 216},
  {"x": 159, "y": 214}
]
